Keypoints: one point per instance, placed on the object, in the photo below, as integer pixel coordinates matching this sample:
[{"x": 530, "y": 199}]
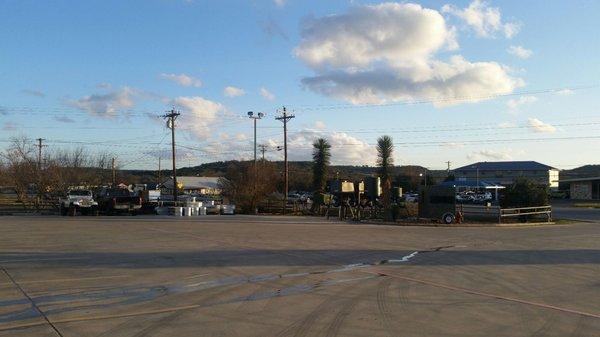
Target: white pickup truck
[{"x": 78, "y": 200}]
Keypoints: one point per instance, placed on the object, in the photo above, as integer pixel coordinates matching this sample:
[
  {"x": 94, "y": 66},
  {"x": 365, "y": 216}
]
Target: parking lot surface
[{"x": 294, "y": 276}]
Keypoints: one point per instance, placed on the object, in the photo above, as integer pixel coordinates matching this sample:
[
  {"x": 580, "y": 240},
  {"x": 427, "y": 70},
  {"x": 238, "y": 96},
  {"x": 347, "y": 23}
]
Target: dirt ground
[{"x": 294, "y": 276}]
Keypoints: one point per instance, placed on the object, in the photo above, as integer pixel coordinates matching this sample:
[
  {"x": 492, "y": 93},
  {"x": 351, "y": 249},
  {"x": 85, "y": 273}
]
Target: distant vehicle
[
  {"x": 411, "y": 197},
  {"x": 78, "y": 200},
  {"x": 114, "y": 200}
]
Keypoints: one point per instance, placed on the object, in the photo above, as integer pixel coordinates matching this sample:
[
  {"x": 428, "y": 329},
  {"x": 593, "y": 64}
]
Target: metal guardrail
[
  {"x": 523, "y": 211},
  {"x": 500, "y": 213}
]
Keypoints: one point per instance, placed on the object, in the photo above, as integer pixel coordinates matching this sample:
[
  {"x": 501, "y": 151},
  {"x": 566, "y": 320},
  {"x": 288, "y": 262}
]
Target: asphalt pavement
[{"x": 294, "y": 276}]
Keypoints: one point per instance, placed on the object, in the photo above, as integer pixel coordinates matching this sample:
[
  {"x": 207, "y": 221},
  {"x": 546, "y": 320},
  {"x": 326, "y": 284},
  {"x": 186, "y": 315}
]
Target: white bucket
[
  {"x": 177, "y": 211},
  {"x": 202, "y": 210}
]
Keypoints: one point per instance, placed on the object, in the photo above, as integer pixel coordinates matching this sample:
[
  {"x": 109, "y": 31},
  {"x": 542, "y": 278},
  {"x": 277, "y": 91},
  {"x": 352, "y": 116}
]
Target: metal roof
[{"x": 506, "y": 166}]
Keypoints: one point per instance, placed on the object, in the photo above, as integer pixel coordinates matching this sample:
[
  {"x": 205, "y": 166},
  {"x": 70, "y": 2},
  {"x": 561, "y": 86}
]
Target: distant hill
[{"x": 581, "y": 172}]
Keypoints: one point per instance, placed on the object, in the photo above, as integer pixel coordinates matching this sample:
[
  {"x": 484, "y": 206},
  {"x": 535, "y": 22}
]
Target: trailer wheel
[{"x": 448, "y": 218}]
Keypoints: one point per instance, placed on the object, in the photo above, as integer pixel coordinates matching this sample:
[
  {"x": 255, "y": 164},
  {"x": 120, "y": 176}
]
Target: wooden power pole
[
  {"x": 285, "y": 118},
  {"x": 172, "y": 116}
]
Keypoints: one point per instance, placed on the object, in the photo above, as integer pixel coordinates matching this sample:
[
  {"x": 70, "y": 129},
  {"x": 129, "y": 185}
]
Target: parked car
[
  {"x": 78, "y": 201},
  {"x": 115, "y": 200},
  {"x": 411, "y": 197}
]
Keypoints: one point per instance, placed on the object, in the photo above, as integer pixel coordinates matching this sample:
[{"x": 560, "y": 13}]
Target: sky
[{"x": 458, "y": 81}]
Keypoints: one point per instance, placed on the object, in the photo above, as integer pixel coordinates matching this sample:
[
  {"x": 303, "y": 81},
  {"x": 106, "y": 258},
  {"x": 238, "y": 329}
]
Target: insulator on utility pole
[{"x": 285, "y": 118}]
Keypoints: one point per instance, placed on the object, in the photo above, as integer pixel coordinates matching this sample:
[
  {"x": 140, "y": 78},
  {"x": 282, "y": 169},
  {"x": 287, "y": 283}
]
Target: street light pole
[{"x": 255, "y": 118}]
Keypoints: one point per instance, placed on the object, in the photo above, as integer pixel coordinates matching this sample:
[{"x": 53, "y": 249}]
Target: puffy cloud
[
  {"x": 35, "y": 93},
  {"x": 520, "y": 52},
  {"x": 182, "y": 79},
  {"x": 381, "y": 53},
  {"x": 345, "y": 149},
  {"x": 280, "y": 3},
  {"x": 233, "y": 91},
  {"x": 486, "y": 21},
  {"x": 266, "y": 94},
  {"x": 319, "y": 125},
  {"x": 537, "y": 125},
  {"x": 390, "y": 32},
  {"x": 197, "y": 115},
  {"x": 106, "y": 105},
  {"x": 516, "y": 103},
  {"x": 458, "y": 80}
]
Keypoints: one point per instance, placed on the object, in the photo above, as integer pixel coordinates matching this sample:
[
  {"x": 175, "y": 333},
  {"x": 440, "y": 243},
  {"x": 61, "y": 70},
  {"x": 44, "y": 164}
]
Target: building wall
[{"x": 581, "y": 190}]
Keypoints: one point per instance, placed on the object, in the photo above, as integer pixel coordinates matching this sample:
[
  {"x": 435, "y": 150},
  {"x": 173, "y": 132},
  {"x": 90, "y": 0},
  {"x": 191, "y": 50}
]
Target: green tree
[
  {"x": 385, "y": 162},
  {"x": 525, "y": 193},
  {"x": 321, "y": 157}
]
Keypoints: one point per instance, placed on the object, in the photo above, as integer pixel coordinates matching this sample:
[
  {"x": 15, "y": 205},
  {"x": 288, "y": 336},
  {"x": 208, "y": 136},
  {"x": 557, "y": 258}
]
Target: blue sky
[{"x": 98, "y": 73}]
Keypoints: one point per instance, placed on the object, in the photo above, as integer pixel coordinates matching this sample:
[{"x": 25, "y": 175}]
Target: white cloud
[
  {"x": 280, "y": 3},
  {"x": 266, "y": 94},
  {"x": 319, "y": 125},
  {"x": 381, "y": 53},
  {"x": 537, "y": 125},
  {"x": 488, "y": 154},
  {"x": 198, "y": 115},
  {"x": 486, "y": 21},
  {"x": 506, "y": 125},
  {"x": 518, "y": 102},
  {"x": 565, "y": 92},
  {"x": 345, "y": 149},
  {"x": 106, "y": 105},
  {"x": 182, "y": 79},
  {"x": 233, "y": 91},
  {"x": 240, "y": 137},
  {"x": 390, "y": 32},
  {"x": 453, "y": 145},
  {"x": 520, "y": 52}
]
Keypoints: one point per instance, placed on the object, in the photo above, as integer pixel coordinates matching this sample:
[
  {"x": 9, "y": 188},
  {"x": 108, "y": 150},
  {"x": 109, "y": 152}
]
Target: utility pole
[
  {"x": 114, "y": 174},
  {"x": 159, "y": 177},
  {"x": 448, "y": 170},
  {"x": 172, "y": 116},
  {"x": 39, "y": 146},
  {"x": 263, "y": 149},
  {"x": 285, "y": 118},
  {"x": 39, "y": 171}
]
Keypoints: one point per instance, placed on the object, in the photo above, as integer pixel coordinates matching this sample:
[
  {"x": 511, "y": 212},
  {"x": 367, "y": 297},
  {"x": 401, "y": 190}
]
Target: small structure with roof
[{"x": 583, "y": 188}]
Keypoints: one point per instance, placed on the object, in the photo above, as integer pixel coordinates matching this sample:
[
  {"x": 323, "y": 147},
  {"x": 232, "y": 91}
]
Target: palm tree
[
  {"x": 385, "y": 161},
  {"x": 321, "y": 156}
]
